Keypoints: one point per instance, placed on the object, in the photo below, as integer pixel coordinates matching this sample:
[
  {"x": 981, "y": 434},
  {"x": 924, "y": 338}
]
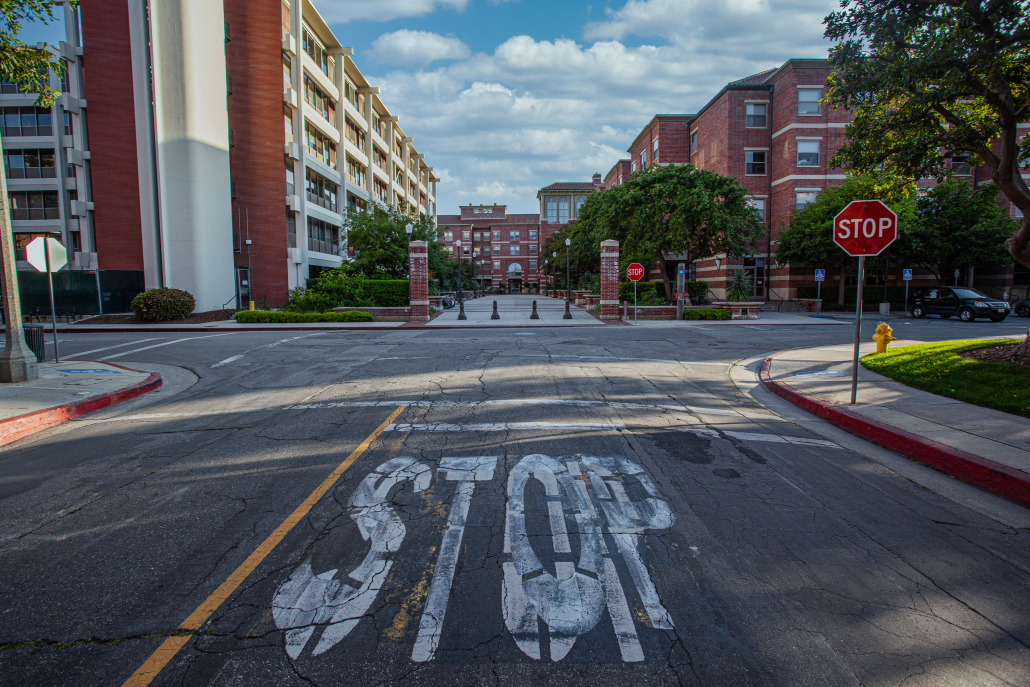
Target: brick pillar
[
  {"x": 609, "y": 280},
  {"x": 418, "y": 281}
]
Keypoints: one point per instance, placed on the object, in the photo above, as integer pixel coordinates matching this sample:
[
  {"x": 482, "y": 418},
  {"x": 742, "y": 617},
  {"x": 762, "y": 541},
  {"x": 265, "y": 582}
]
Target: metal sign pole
[
  {"x": 634, "y": 302},
  {"x": 53, "y": 311},
  {"x": 858, "y": 329},
  {"x": 818, "y": 298}
]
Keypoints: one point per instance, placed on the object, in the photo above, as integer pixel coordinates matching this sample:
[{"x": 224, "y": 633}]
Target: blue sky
[{"x": 506, "y": 96}]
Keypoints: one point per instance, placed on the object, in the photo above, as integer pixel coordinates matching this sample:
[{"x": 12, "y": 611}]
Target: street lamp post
[
  {"x": 408, "y": 228},
  {"x": 568, "y": 282},
  {"x": 461, "y": 301}
]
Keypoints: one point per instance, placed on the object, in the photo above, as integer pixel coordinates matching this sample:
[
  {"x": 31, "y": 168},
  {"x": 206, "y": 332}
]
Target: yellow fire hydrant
[{"x": 882, "y": 337}]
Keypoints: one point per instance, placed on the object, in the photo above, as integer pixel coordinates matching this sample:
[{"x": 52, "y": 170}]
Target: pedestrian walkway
[
  {"x": 824, "y": 374},
  {"x": 515, "y": 310},
  {"x": 67, "y": 390}
]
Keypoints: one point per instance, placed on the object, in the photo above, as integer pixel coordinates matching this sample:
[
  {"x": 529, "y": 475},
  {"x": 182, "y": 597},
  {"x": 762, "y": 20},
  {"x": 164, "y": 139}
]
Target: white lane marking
[
  {"x": 227, "y": 361},
  {"x": 504, "y": 426},
  {"x": 466, "y": 471},
  {"x": 614, "y": 358},
  {"x": 271, "y": 345},
  {"x": 756, "y": 436},
  {"x": 76, "y": 356},
  {"x": 166, "y": 343},
  {"x": 568, "y": 402}
]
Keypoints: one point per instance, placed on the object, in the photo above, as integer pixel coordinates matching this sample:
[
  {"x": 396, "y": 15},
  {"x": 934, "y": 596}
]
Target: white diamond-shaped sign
[{"x": 34, "y": 254}]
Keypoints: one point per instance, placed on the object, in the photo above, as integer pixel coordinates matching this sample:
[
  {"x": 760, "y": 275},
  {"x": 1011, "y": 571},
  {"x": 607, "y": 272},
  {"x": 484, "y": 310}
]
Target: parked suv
[
  {"x": 945, "y": 301},
  {"x": 1022, "y": 308}
]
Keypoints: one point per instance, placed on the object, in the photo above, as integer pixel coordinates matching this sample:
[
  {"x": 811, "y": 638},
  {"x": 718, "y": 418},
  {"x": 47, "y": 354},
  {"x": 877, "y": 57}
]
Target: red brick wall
[
  {"x": 254, "y": 61},
  {"x": 107, "y": 80},
  {"x": 673, "y": 141}
]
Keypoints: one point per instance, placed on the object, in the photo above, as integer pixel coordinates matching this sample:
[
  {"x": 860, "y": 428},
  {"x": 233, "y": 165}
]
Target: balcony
[
  {"x": 319, "y": 246},
  {"x": 330, "y": 205}
]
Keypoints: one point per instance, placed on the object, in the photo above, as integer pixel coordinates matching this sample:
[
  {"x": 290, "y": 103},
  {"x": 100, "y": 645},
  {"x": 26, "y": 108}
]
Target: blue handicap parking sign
[
  {"x": 906, "y": 275},
  {"x": 820, "y": 275}
]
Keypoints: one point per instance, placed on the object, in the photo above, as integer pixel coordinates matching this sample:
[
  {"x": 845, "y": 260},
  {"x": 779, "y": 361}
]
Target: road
[{"x": 464, "y": 507}]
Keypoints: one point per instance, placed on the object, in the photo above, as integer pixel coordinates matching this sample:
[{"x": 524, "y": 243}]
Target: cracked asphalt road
[{"x": 609, "y": 507}]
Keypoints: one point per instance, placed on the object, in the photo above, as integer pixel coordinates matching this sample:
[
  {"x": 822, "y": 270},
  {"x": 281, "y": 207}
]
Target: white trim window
[
  {"x": 804, "y": 197},
  {"x": 579, "y": 204},
  {"x": 654, "y": 150},
  {"x": 808, "y": 153},
  {"x": 754, "y": 114},
  {"x": 759, "y": 205},
  {"x": 643, "y": 159},
  {"x": 693, "y": 141},
  {"x": 563, "y": 210},
  {"x": 808, "y": 101},
  {"x": 552, "y": 210},
  {"x": 754, "y": 162}
]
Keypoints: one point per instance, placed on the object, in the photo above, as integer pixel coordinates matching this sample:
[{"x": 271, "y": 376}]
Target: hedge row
[
  {"x": 654, "y": 291},
  {"x": 706, "y": 314},
  {"x": 269, "y": 316}
]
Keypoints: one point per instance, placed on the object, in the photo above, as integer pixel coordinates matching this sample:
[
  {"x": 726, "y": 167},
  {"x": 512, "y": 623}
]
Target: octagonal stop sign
[{"x": 865, "y": 228}]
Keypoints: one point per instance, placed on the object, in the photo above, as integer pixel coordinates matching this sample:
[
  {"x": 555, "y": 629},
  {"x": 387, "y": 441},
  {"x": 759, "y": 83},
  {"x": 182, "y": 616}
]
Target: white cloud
[
  {"x": 531, "y": 112},
  {"x": 343, "y": 11},
  {"x": 417, "y": 47}
]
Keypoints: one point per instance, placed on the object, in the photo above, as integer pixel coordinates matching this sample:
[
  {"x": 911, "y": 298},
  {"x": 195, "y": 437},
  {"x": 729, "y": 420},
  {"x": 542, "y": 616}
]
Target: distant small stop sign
[
  {"x": 865, "y": 227},
  {"x": 635, "y": 272}
]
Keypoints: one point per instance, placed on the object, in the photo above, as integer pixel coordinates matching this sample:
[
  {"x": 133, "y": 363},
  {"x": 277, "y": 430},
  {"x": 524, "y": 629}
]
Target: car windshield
[{"x": 968, "y": 293}]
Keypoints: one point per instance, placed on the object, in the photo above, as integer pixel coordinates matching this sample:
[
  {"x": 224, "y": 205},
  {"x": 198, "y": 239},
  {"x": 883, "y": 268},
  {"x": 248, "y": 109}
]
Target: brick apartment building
[
  {"x": 770, "y": 131},
  {"x": 505, "y": 248},
  {"x": 229, "y": 137}
]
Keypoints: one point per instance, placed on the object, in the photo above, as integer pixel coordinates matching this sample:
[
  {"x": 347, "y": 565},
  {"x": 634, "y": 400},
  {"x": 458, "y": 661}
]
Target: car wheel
[
  {"x": 1023, "y": 311},
  {"x": 966, "y": 315},
  {"x": 918, "y": 312},
  {"x": 998, "y": 318}
]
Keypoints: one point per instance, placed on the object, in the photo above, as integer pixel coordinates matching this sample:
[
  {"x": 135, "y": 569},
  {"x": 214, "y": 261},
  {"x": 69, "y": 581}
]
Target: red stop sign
[
  {"x": 635, "y": 272},
  {"x": 865, "y": 227}
]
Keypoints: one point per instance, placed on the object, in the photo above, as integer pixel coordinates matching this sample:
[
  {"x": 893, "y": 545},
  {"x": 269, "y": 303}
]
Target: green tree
[
  {"x": 808, "y": 240},
  {"x": 674, "y": 210},
  {"x": 380, "y": 243},
  {"x": 584, "y": 252},
  {"x": 955, "y": 227},
  {"x": 930, "y": 80},
  {"x": 30, "y": 68}
]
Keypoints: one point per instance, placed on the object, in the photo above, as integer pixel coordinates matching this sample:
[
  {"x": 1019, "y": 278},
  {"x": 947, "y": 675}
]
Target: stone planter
[
  {"x": 746, "y": 310},
  {"x": 593, "y": 299}
]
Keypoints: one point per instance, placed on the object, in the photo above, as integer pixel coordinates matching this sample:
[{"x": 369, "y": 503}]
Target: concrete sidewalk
[
  {"x": 65, "y": 391},
  {"x": 898, "y": 416}
]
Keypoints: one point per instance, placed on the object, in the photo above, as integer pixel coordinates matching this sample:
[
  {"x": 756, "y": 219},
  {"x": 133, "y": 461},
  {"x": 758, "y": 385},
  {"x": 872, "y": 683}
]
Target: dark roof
[
  {"x": 753, "y": 80},
  {"x": 570, "y": 186}
]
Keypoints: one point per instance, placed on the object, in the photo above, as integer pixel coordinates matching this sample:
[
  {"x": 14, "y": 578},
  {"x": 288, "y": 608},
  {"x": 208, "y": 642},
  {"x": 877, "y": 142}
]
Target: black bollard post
[
  {"x": 567, "y": 315},
  {"x": 534, "y": 316},
  {"x": 461, "y": 311},
  {"x": 495, "y": 316}
]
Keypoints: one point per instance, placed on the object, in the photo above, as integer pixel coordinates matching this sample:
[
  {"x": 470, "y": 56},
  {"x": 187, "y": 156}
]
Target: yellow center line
[{"x": 164, "y": 653}]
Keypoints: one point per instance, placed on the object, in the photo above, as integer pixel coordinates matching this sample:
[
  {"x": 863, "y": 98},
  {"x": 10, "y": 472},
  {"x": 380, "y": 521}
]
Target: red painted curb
[
  {"x": 998, "y": 479},
  {"x": 15, "y": 428}
]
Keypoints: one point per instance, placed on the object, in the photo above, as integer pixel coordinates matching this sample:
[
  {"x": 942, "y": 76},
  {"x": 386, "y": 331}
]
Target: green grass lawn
[{"x": 938, "y": 368}]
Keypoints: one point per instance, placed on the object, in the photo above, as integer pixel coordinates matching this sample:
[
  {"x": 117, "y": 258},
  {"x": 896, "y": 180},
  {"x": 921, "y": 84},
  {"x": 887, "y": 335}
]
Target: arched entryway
[{"x": 514, "y": 278}]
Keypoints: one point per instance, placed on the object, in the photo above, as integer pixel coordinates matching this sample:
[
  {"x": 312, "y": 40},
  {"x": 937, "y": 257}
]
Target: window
[
  {"x": 351, "y": 95},
  {"x": 532, "y": 234},
  {"x": 579, "y": 204},
  {"x": 532, "y": 249},
  {"x": 67, "y": 124},
  {"x": 377, "y": 124},
  {"x": 21, "y": 242},
  {"x": 355, "y": 135},
  {"x": 497, "y": 264},
  {"x": 514, "y": 235},
  {"x": 466, "y": 236},
  {"x": 325, "y": 61},
  {"x": 322, "y": 191},
  {"x": 1017, "y": 213},
  {"x": 516, "y": 250},
  {"x": 320, "y": 146},
  {"x": 27, "y": 121},
  {"x": 497, "y": 235},
  {"x": 380, "y": 190},
  {"x": 497, "y": 250},
  {"x": 288, "y": 122},
  {"x": 323, "y": 237},
  {"x": 532, "y": 264},
  {"x": 291, "y": 228},
  {"x": 633, "y": 167},
  {"x": 693, "y": 142},
  {"x": 754, "y": 161},
  {"x": 808, "y": 153},
  {"x": 464, "y": 250},
  {"x": 755, "y": 115},
  {"x": 563, "y": 211},
  {"x": 30, "y": 164},
  {"x": 479, "y": 236},
  {"x": 290, "y": 179},
  {"x": 322, "y": 103},
  {"x": 643, "y": 158},
  {"x": 378, "y": 158},
  {"x": 355, "y": 171},
  {"x": 287, "y": 71},
  {"x": 448, "y": 236},
  {"x": 552, "y": 210},
  {"x": 759, "y": 205},
  {"x": 803, "y": 198},
  {"x": 34, "y": 205},
  {"x": 808, "y": 100},
  {"x": 654, "y": 150},
  {"x": 960, "y": 166}
]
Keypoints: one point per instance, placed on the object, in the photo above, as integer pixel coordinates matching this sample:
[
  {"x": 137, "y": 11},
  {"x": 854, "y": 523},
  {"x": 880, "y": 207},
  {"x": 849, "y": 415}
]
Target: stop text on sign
[
  {"x": 635, "y": 272},
  {"x": 865, "y": 228}
]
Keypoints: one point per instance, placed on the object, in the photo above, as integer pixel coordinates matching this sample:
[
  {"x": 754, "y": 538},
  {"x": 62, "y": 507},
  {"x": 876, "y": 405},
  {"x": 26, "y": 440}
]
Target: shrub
[
  {"x": 706, "y": 314},
  {"x": 274, "y": 316},
  {"x": 740, "y": 287},
  {"x": 338, "y": 288},
  {"x": 161, "y": 305}
]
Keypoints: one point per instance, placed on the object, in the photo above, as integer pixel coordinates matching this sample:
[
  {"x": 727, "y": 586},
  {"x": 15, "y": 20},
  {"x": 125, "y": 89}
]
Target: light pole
[
  {"x": 547, "y": 274},
  {"x": 568, "y": 282},
  {"x": 461, "y": 301},
  {"x": 408, "y": 228}
]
